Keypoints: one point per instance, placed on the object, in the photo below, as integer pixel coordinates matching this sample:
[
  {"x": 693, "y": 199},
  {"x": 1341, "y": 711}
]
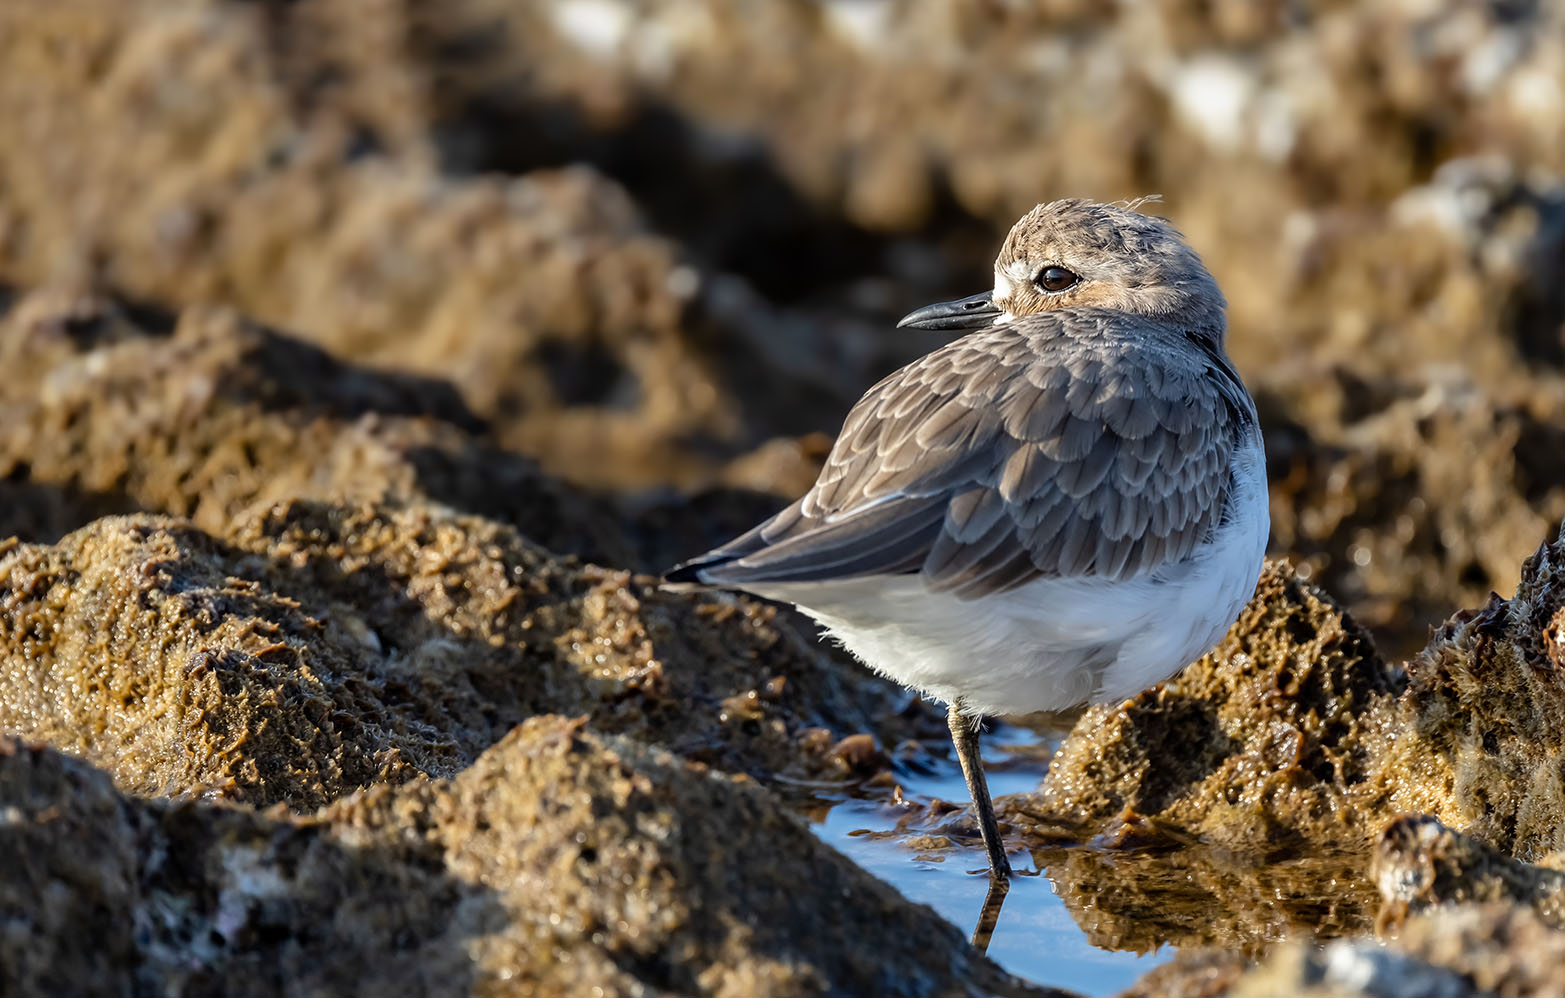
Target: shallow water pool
[{"x": 1035, "y": 938}]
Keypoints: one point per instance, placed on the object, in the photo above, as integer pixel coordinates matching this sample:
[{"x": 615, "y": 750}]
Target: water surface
[{"x": 1036, "y": 938}]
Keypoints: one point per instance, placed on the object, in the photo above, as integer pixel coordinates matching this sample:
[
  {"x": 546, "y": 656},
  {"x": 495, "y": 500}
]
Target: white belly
[{"x": 1052, "y": 643}]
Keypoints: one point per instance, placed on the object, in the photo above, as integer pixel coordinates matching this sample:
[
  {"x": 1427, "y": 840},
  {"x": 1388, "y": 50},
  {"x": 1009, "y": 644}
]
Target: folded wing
[{"x": 1023, "y": 452}]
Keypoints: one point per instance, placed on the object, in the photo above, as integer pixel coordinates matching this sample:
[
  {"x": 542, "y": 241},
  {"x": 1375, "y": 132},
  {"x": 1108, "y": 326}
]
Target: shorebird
[{"x": 1066, "y": 504}]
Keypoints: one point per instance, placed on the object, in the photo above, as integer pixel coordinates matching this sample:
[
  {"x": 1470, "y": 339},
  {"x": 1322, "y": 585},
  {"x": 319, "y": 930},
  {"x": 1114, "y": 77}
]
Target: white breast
[{"x": 1052, "y": 643}]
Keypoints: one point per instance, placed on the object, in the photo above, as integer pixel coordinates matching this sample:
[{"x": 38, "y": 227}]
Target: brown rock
[
  {"x": 1349, "y": 969},
  {"x": 118, "y": 408},
  {"x": 1237, "y": 803},
  {"x": 1293, "y": 732},
  {"x": 1419, "y": 864},
  {"x": 1463, "y": 952},
  {"x": 561, "y": 862},
  {"x": 1477, "y": 742},
  {"x": 70, "y": 875},
  {"x": 1191, "y": 974},
  {"x": 1500, "y": 949},
  {"x": 1370, "y": 187},
  {"x": 566, "y": 325},
  {"x": 321, "y": 648}
]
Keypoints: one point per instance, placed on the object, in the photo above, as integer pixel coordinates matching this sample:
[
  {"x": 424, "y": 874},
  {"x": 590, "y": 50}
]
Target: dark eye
[{"x": 1056, "y": 279}]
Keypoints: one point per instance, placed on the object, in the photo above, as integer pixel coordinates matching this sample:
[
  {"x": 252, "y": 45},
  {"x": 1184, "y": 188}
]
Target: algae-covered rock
[
  {"x": 1420, "y": 864},
  {"x": 1266, "y": 743},
  {"x": 1233, "y": 805},
  {"x": 1470, "y": 951},
  {"x": 322, "y": 647},
  {"x": 1478, "y": 743},
  {"x": 1244, "y": 801},
  {"x": 631, "y": 243},
  {"x": 562, "y": 862},
  {"x": 1462, "y": 951}
]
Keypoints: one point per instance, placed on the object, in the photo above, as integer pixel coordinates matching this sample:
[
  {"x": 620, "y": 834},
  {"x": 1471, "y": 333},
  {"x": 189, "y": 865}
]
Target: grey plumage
[{"x": 1079, "y": 442}]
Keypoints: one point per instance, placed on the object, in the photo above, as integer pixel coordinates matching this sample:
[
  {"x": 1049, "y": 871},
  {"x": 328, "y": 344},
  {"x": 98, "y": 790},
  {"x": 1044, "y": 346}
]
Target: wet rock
[
  {"x": 660, "y": 255},
  {"x": 1500, "y": 949},
  {"x": 1240, "y": 803},
  {"x": 1265, "y": 744},
  {"x": 319, "y": 648},
  {"x": 1420, "y": 864},
  {"x": 560, "y": 862},
  {"x": 1476, "y": 741},
  {"x": 1191, "y": 974},
  {"x": 1461, "y": 952},
  {"x": 1350, "y": 969}
]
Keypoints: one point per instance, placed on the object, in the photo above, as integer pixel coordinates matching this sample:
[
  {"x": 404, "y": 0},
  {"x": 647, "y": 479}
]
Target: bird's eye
[{"x": 1055, "y": 279}]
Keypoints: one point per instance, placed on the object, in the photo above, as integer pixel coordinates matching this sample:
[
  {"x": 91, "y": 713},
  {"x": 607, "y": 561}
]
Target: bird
[{"x": 1065, "y": 504}]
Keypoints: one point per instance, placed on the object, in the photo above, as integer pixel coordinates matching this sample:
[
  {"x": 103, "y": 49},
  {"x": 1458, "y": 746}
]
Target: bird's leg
[{"x": 964, "y": 735}]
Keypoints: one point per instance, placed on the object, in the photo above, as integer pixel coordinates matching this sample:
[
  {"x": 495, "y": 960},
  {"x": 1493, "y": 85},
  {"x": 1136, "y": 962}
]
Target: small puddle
[{"x": 1036, "y": 938}]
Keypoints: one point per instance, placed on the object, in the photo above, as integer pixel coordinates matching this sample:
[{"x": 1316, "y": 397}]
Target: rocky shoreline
[
  {"x": 362, "y": 358},
  {"x": 365, "y": 670}
]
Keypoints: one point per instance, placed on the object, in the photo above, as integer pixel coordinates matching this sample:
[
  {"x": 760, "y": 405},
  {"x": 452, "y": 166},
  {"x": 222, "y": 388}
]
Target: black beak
[{"x": 964, "y": 313}]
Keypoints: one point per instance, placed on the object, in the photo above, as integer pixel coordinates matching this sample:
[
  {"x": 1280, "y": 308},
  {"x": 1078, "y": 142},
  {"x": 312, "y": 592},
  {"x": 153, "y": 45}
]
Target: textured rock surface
[
  {"x": 1246, "y": 800},
  {"x": 1420, "y": 864},
  {"x": 320, "y": 648},
  {"x": 1478, "y": 742},
  {"x": 562, "y": 319},
  {"x": 1472, "y": 951},
  {"x": 113, "y": 408},
  {"x": 561, "y": 863}
]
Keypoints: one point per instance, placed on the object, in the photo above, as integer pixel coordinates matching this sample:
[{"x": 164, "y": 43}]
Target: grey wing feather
[{"x": 1070, "y": 444}]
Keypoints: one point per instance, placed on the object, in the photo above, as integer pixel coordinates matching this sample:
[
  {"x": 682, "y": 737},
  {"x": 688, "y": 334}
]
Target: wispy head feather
[{"x": 1134, "y": 204}]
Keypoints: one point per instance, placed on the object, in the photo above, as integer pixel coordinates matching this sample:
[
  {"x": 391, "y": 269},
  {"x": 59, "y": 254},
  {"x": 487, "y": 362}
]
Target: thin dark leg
[{"x": 964, "y": 734}]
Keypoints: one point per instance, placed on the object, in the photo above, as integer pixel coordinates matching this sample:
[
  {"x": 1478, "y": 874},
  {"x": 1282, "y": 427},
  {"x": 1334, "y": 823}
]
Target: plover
[{"x": 1067, "y": 504}]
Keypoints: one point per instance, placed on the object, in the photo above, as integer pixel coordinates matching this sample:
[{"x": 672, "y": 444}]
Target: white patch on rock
[
  {"x": 1211, "y": 93},
  {"x": 597, "y": 27},
  {"x": 865, "y": 23}
]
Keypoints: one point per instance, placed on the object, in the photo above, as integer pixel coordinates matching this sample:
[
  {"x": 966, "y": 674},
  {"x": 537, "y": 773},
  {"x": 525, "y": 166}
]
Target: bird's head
[{"x": 1084, "y": 254}]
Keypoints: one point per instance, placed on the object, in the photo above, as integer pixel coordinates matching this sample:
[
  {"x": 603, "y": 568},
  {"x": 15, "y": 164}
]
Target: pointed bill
[{"x": 971, "y": 312}]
